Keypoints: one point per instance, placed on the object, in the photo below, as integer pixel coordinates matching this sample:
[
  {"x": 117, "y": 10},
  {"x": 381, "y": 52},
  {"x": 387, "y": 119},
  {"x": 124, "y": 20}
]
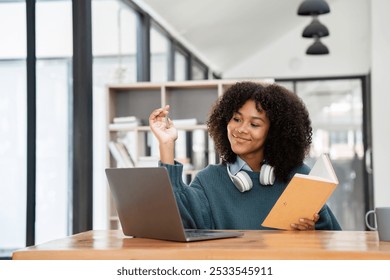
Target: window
[
  {"x": 336, "y": 112},
  {"x": 199, "y": 71},
  {"x": 53, "y": 90},
  {"x": 180, "y": 66},
  {"x": 114, "y": 61},
  {"x": 13, "y": 126},
  {"x": 159, "y": 46}
]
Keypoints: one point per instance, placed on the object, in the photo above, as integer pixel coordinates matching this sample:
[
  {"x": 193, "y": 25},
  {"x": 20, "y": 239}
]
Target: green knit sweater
[{"x": 211, "y": 201}]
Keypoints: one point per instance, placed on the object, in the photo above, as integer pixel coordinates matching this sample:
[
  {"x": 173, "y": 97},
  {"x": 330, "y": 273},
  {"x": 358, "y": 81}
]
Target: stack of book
[
  {"x": 128, "y": 122},
  {"x": 124, "y": 146}
]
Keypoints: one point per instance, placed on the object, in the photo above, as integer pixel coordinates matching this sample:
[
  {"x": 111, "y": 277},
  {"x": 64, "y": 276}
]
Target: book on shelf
[
  {"x": 152, "y": 144},
  {"x": 131, "y": 139},
  {"x": 129, "y": 122},
  {"x": 181, "y": 142},
  {"x": 212, "y": 154},
  {"x": 148, "y": 161},
  {"x": 184, "y": 122},
  {"x": 121, "y": 154},
  {"x": 304, "y": 196},
  {"x": 199, "y": 146},
  {"x": 126, "y": 119}
]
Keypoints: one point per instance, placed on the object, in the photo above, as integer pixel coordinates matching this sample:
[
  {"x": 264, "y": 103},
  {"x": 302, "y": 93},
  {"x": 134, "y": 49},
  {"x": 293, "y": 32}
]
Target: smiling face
[{"x": 247, "y": 132}]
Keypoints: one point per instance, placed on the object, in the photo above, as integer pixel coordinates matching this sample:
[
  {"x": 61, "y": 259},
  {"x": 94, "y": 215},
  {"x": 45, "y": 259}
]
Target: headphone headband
[{"x": 243, "y": 182}]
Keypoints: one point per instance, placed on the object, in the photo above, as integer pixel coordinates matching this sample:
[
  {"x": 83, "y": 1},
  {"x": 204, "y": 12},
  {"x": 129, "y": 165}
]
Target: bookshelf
[{"x": 129, "y": 107}]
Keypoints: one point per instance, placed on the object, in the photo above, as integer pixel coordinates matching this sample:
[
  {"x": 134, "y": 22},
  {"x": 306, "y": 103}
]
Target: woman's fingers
[
  {"x": 159, "y": 113},
  {"x": 305, "y": 224}
]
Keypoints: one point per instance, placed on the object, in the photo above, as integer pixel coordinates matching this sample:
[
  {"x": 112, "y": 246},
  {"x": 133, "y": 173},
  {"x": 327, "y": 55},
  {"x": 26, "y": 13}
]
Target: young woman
[{"x": 262, "y": 133}]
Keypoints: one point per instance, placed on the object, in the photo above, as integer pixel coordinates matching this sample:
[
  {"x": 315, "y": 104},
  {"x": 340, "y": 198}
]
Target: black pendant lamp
[
  {"x": 313, "y": 7},
  {"x": 315, "y": 28},
  {"x": 317, "y": 48}
]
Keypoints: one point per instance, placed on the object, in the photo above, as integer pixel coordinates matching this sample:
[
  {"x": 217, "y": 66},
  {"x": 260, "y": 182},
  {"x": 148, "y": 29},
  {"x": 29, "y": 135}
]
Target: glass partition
[
  {"x": 180, "y": 66},
  {"x": 336, "y": 111},
  {"x": 13, "y": 127},
  {"x": 114, "y": 61},
  {"x": 159, "y": 46},
  {"x": 53, "y": 92}
]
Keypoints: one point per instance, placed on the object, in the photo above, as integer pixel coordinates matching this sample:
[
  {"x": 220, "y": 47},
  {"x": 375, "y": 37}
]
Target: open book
[
  {"x": 304, "y": 195},
  {"x": 121, "y": 154}
]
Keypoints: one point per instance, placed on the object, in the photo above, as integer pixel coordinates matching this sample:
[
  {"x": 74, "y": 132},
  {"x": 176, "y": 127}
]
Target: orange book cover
[{"x": 304, "y": 195}]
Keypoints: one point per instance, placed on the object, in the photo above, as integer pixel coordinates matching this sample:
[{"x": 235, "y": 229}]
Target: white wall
[
  {"x": 359, "y": 42},
  {"x": 348, "y": 43},
  {"x": 381, "y": 100}
]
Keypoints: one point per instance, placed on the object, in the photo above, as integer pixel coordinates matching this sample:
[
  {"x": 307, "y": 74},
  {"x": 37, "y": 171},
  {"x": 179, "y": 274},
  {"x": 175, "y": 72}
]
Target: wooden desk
[{"x": 269, "y": 245}]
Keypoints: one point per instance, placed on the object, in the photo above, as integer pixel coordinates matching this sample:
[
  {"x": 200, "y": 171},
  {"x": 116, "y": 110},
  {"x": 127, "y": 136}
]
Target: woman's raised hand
[{"x": 162, "y": 127}]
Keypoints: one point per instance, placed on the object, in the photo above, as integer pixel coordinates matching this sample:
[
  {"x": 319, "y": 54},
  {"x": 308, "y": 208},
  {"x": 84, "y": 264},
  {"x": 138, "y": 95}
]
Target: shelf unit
[{"x": 189, "y": 101}]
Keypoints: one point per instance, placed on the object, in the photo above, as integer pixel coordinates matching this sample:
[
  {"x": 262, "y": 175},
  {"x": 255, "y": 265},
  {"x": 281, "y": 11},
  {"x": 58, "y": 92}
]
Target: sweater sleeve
[
  {"x": 327, "y": 220},
  {"x": 191, "y": 199}
]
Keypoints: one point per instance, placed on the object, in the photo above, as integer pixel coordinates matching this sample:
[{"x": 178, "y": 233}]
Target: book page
[{"x": 323, "y": 168}]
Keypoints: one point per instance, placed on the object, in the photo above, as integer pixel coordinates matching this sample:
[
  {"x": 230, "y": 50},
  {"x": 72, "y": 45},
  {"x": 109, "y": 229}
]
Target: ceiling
[{"x": 225, "y": 32}]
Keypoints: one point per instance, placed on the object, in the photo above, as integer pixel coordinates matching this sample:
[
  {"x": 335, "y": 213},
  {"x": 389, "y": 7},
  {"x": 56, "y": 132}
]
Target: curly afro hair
[{"x": 290, "y": 133}]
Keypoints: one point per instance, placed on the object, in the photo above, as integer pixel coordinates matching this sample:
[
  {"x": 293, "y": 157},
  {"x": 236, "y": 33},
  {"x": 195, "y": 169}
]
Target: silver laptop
[{"x": 147, "y": 207}]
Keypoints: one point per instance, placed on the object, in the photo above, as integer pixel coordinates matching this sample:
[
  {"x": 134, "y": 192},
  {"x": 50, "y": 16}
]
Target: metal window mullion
[
  {"x": 171, "y": 61},
  {"x": 189, "y": 67},
  {"x": 143, "y": 47},
  {"x": 31, "y": 123},
  {"x": 82, "y": 154}
]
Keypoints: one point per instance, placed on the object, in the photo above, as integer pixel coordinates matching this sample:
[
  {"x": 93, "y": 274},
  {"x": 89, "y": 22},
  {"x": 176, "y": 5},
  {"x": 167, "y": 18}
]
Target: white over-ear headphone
[{"x": 244, "y": 183}]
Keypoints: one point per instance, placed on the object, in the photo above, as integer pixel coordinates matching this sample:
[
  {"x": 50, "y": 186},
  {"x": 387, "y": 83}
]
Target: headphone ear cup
[
  {"x": 271, "y": 176},
  {"x": 242, "y": 181},
  {"x": 267, "y": 175}
]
